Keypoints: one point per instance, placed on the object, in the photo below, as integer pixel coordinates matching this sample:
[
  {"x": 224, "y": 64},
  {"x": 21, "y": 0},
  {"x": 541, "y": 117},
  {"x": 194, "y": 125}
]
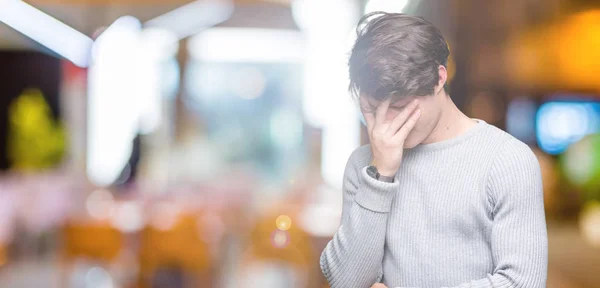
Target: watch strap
[
  {"x": 372, "y": 171},
  {"x": 389, "y": 179}
]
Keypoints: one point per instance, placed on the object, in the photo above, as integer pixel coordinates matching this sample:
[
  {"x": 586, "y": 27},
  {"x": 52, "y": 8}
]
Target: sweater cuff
[{"x": 375, "y": 195}]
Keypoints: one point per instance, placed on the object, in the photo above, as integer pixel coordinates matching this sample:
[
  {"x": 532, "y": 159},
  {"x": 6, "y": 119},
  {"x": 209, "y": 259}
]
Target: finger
[
  {"x": 402, "y": 117},
  {"x": 381, "y": 111},
  {"x": 370, "y": 119},
  {"x": 368, "y": 114},
  {"x": 409, "y": 125}
]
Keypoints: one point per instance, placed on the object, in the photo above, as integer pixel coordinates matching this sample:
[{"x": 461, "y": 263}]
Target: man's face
[{"x": 430, "y": 105}]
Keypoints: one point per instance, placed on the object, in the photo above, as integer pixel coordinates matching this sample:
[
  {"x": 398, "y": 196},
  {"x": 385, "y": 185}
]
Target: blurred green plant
[
  {"x": 35, "y": 140},
  {"x": 580, "y": 163}
]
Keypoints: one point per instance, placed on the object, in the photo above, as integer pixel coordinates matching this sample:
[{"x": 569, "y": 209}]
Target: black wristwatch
[{"x": 372, "y": 171}]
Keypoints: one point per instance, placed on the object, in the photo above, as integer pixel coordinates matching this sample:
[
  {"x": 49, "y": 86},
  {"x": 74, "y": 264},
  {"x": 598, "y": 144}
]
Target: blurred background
[{"x": 178, "y": 143}]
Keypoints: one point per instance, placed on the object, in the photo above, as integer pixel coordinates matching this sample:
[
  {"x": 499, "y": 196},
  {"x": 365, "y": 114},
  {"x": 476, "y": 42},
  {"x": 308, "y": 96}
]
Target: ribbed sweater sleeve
[
  {"x": 519, "y": 238},
  {"x": 353, "y": 258}
]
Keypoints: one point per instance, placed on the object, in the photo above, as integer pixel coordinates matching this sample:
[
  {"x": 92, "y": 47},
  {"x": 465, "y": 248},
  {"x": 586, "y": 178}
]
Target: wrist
[
  {"x": 383, "y": 171},
  {"x": 386, "y": 173}
]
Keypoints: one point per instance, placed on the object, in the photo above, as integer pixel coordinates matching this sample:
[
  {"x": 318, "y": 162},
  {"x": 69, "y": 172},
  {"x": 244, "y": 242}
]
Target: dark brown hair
[{"x": 396, "y": 54}]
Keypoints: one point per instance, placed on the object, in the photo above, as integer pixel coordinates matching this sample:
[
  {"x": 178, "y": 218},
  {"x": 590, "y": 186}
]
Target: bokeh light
[
  {"x": 164, "y": 216},
  {"x": 283, "y": 222},
  {"x": 98, "y": 277},
  {"x": 100, "y": 204},
  {"x": 589, "y": 223},
  {"x": 581, "y": 165},
  {"x": 208, "y": 139},
  {"x": 559, "y": 124},
  {"x": 280, "y": 239},
  {"x": 128, "y": 217}
]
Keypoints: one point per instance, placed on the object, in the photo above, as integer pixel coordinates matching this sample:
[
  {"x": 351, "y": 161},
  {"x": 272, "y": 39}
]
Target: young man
[{"x": 437, "y": 199}]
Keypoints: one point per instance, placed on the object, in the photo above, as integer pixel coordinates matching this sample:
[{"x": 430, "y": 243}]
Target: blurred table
[{"x": 572, "y": 261}]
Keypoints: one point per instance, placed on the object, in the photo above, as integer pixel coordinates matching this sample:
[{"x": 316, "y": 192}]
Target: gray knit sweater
[{"x": 464, "y": 212}]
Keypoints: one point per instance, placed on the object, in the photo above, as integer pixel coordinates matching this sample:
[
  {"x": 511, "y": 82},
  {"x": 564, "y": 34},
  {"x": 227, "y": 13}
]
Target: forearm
[{"x": 353, "y": 257}]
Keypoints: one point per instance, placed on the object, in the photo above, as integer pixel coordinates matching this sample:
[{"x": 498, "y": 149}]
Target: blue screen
[{"x": 561, "y": 123}]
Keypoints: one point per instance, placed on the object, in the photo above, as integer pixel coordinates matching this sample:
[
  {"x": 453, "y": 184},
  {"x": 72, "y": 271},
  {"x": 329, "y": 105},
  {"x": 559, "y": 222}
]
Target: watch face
[{"x": 372, "y": 171}]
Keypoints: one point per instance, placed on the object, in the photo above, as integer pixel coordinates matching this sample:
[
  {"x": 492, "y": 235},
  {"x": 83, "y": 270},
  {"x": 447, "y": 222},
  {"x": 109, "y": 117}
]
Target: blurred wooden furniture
[
  {"x": 572, "y": 261},
  {"x": 3, "y": 256},
  {"x": 277, "y": 240},
  {"x": 97, "y": 241},
  {"x": 178, "y": 247}
]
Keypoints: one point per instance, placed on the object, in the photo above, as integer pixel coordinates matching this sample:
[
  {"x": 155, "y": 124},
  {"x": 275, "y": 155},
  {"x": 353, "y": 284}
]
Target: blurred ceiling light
[
  {"x": 156, "y": 47},
  {"x": 193, "y": 17},
  {"x": 326, "y": 103},
  {"x": 122, "y": 27},
  {"x": 125, "y": 95},
  {"x": 159, "y": 43},
  {"x": 392, "y": 6},
  {"x": 113, "y": 100},
  {"x": 46, "y": 30},
  {"x": 247, "y": 45}
]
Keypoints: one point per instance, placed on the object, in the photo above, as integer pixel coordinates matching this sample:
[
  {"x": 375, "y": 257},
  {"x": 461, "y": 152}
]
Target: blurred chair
[
  {"x": 176, "y": 248},
  {"x": 96, "y": 241}
]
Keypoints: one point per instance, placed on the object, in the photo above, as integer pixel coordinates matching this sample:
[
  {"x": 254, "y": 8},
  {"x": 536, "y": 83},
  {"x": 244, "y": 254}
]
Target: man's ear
[{"x": 443, "y": 77}]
